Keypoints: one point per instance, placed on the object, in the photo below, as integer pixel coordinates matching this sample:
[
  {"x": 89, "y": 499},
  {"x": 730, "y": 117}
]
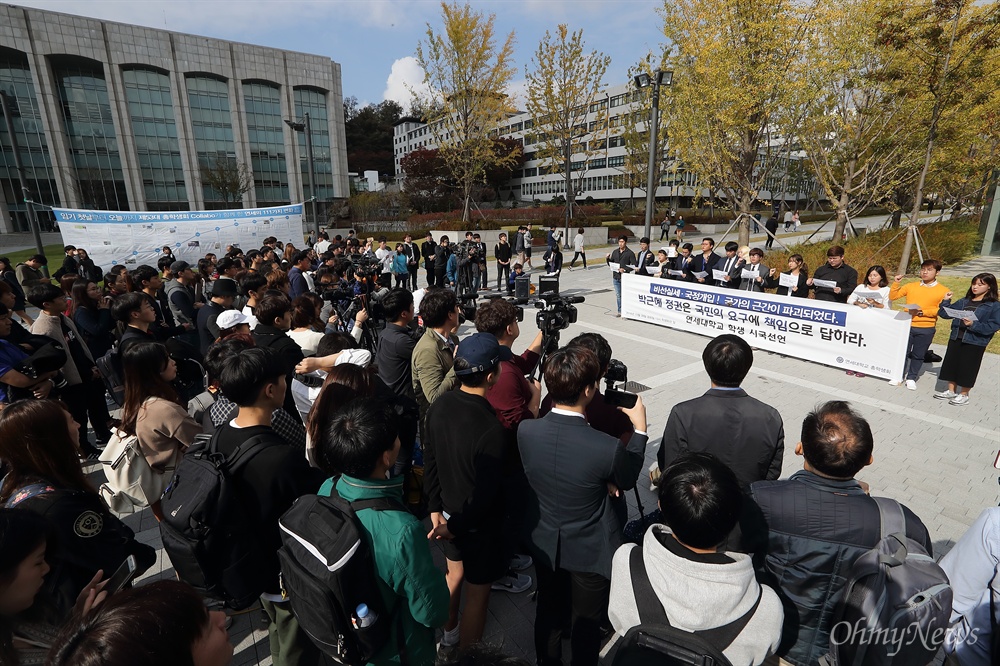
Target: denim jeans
[{"x": 618, "y": 294}]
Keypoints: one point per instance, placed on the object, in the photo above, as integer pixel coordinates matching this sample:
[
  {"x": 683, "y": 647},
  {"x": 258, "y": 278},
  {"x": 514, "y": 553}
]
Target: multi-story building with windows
[
  {"x": 599, "y": 168},
  {"x": 121, "y": 117}
]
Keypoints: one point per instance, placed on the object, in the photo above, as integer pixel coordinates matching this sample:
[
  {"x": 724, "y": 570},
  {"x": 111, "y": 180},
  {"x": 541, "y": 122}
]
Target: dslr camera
[{"x": 618, "y": 373}]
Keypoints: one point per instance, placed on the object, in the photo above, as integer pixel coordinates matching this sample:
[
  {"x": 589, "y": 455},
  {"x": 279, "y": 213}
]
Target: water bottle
[{"x": 363, "y": 617}]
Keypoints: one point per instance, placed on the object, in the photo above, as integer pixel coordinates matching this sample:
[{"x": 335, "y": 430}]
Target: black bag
[
  {"x": 50, "y": 357},
  {"x": 655, "y": 642},
  {"x": 892, "y": 589},
  {"x": 212, "y": 542},
  {"x": 110, "y": 367},
  {"x": 931, "y": 356},
  {"x": 327, "y": 571}
]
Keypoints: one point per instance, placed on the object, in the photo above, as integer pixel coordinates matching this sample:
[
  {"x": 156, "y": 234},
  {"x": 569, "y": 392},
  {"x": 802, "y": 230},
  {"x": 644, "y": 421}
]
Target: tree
[
  {"x": 737, "y": 70},
  {"x": 426, "y": 186},
  {"x": 500, "y": 172},
  {"x": 368, "y": 131},
  {"x": 467, "y": 76},
  {"x": 856, "y": 121},
  {"x": 564, "y": 85},
  {"x": 227, "y": 179},
  {"x": 944, "y": 45}
]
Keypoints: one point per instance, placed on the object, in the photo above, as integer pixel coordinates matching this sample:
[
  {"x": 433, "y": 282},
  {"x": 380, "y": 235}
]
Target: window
[
  {"x": 598, "y": 163},
  {"x": 262, "y": 102},
  {"x": 616, "y": 142},
  {"x": 616, "y": 161}
]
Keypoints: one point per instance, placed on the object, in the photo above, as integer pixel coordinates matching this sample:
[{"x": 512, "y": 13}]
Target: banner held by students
[
  {"x": 868, "y": 340},
  {"x": 134, "y": 238}
]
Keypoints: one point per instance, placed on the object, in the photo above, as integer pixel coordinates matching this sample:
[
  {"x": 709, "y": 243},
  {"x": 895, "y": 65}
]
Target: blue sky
[{"x": 374, "y": 40}]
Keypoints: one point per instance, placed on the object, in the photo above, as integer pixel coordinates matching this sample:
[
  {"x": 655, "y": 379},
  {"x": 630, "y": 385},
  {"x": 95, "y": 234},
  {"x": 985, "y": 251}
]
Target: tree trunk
[
  {"x": 897, "y": 215},
  {"x": 744, "y": 226},
  {"x": 844, "y": 201},
  {"x": 465, "y": 207}
]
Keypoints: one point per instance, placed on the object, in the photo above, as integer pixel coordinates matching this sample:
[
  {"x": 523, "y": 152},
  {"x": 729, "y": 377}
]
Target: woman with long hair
[
  {"x": 85, "y": 266},
  {"x": 153, "y": 411},
  {"x": 91, "y": 313},
  {"x": 797, "y": 268},
  {"x": 66, "y": 284},
  {"x": 203, "y": 280},
  {"x": 8, "y": 275},
  {"x": 876, "y": 281},
  {"x": 24, "y": 636},
  {"x": 307, "y": 325},
  {"x": 116, "y": 281},
  {"x": 39, "y": 441},
  {"x": 164, "y": 623},
  {"x": 967, "y": 344},
  {"x": 278, "y": 280},
  {"x": 343, "y": 383}
]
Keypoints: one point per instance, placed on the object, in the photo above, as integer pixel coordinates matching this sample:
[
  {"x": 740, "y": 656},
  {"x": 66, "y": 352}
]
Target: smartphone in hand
[{"x": 618, "y": 398}]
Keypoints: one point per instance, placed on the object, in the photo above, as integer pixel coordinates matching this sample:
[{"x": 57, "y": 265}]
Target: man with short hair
[
  {"x": 926, "y": 295},
  {"x": 519, "y": 244},
  {"x": 357, "y": 449},
  {"x": 816, "y": 523},
  {"x": 834, "y": 270},
  {"x": 623, "y": 257},
  {"x": 253, "y": 287},
  {"x": 412, "y": 253},
  {"x": 743, "y": 432},
  {"x": 760, "y": 271},
  {"x": 396, "y": 342},
  {"x": 527, "y": 247},
  {"x": 427, "y": 251},
  {"x": 69, "y": 265},
  {"x": 463, "y": 467},
  {"x": 483, "y": 281},
  {"x": 697, "y": 584},
  {"x": 223, "y": 294},
  {"x": 274, "y": 319},
  {"x": 182, "y": 302},
  {"x": 269, "y": 482},
  {"x": 705, "y": 262},
  {"x": 148, "y": 280},
  {"x": 442, "y": 253},
  {"x": 577, "y": 530},
  {"x": 731, "y": 266},
  {"x": 297, "y": 284},
  {"x": 384, "y": 255},
  {"x": 644, "y": 259},
  {"x": 29, "y": 273},
  {"x": 322, "y": 242},
  {"x": 433, "y": 355}
]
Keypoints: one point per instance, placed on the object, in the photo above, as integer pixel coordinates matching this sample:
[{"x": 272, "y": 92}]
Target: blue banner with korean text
[
  {"x": 863, "y": 340},
  {"x": 133, "y": 238}
]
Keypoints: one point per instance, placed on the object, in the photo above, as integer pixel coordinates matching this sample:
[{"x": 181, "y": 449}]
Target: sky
[{"x": 375, "y": 40}]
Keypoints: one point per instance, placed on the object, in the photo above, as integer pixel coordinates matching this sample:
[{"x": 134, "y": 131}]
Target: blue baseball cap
[{"x": 482, "y": 351}]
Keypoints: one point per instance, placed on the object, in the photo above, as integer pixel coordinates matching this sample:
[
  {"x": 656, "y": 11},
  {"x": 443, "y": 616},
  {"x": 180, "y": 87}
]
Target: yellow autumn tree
[
  {"x": 565, "y": 96},
  {"x": 466, "y": 74},
  {"x": 738, "y": 71}
]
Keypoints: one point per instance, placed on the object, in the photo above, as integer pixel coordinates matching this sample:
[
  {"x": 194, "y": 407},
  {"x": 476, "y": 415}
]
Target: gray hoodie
[{"x": 698, "y": 595}]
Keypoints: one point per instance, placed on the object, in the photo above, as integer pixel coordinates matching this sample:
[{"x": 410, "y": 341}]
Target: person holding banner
[
  {"x": 793, "y": 281},
  {"x": 835, "y": 280},
  {"x": 969, "y": 336},
  {"x": 922, "y": 302}
]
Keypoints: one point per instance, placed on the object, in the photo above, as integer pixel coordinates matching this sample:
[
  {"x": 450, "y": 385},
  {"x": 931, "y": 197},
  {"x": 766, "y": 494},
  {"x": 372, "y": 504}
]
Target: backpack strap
[
  {"x": 891, "y": 516},
  {"x": 646, "y": 602},
  {"x": 378, "y": 504},
  {"x": 28, "y": 492},
  {"x": 722, "y": 637},
  {"x": 243, "y": 453}
]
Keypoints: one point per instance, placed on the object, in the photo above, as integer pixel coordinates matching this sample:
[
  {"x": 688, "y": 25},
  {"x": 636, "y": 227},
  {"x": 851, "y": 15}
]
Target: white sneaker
[
  {"x": 895, "y": 382},
  {"x": 514, "y": 583},
  {"x": 911, "y": 384},
  {"x": 945, "y": 395},
  {"x": 959, "y": 400}
]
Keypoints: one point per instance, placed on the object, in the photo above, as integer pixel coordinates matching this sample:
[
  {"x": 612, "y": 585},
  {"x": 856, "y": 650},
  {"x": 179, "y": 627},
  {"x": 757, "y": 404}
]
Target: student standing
[
  {"x": 926, "y": 295},
  {"x": 502, "y": 253},
  {"x": 578, "y": 249},
  {"x": 623, "y": 257},
  {"x": 969, "y": 338}
]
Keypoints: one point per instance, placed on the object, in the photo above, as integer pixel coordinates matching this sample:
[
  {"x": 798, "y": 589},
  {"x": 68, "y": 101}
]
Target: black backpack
[
  {"x": 895, "y": 595},
  {"x": 327, "y": 571},
  {"x": 212, "y": 541},
  {"x": 655, "y": 642},
  {"x": 110, "y": 367}
]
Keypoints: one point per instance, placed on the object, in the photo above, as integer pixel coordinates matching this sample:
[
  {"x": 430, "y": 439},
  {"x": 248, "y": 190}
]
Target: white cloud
[
  {"x": 518, "y": 92},
  {"x": 406, "y": 75}
]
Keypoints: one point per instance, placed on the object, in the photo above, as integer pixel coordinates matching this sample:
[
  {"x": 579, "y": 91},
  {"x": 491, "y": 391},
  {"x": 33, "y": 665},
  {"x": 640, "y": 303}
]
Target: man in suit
[
  {"x": 732, "y": 265},
  {"x": 622, "y": 256},
  {"x": 644, "y": 259},
  {"x": 572, "y": 470},
  {"x": 743, "y": 432},
  {"x": 413, "y": 255},
  {"x": 706, "y": 261},
  {"x": 427, "y": 252},
  {"x": 759, "y": 270}
]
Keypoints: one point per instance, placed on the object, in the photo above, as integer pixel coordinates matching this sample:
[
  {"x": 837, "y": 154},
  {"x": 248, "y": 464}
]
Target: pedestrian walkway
[
  {"x": 980, "y": 264},
  {"x": 18, "y": 241}
]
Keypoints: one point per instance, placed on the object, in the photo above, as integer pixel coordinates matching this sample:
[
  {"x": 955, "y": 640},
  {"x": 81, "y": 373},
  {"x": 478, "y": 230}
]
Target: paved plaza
[{"x": 934, "y": 457}]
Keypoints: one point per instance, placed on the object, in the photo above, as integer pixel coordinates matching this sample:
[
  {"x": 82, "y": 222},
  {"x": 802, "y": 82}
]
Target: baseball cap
[
  {"x": 482, "y": 352},
  {"x": 231, "y": 318},
  {"x": 179, "y": 265}
]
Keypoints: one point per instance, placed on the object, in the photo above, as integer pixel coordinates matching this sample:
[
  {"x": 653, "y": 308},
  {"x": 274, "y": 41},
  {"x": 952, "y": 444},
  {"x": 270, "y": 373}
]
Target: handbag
[{"x": 131, "y": 483}]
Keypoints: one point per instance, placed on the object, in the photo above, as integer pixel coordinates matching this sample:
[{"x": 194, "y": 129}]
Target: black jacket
[
  {"x": 643, "y": 267},
  {"x": 441, "y": 254},
  {"x": 807, "y": 531},
  {"x": 845, "y": 277},
  {"x": 569, "y": 465},
  {"x": 394, "y": 359},
  {"x": 743, "y": 432},
  {"x": 427, "y": 251},
  {"x": 291, "y": 354},
  {"x": 208, "y": 330},
  {"x": 698, "y": 264},
  {"x": 624, "y": 258},
  {"x": 97, "y": 328}
]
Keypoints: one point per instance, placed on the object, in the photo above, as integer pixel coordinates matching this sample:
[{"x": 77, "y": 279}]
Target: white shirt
[
  {"x": 251, "y": 319},
  {"x": 322, "y": 246},
  {"x": 578, "y": 243},
  {"x": 385, "y": 256}
]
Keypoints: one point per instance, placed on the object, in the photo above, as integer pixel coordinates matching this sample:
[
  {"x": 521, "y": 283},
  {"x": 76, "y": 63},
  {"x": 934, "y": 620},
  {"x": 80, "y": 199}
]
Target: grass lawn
[
  {"x": 54, "y": 253},
  {"x": 958, "y": 286}
]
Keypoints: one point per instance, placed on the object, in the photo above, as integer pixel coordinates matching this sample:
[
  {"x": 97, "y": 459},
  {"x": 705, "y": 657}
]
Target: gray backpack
[{"x": 896, "y": 604}]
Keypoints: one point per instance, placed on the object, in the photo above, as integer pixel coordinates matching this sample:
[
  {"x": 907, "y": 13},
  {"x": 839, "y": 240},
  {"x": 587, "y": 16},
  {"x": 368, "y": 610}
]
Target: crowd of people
[{"x": 436, "y": 441}]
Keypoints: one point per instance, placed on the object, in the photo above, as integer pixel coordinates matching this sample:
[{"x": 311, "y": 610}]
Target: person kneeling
[{"x": 698, "y": 587}]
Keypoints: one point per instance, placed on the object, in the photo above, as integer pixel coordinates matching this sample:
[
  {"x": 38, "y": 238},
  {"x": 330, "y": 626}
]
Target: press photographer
[{"x": 470, "y": 255}]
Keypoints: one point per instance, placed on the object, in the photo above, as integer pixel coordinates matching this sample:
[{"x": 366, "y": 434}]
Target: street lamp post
[
  {"x": 305, "y": 127},
  {"x": 19, "y": 166},
  {"x": 644, "y": 80}
]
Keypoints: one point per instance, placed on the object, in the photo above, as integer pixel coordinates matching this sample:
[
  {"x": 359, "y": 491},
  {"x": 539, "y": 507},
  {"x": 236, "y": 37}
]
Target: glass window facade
[
  {"x": 212, "y": 128},
  {"x": 313, "y": 102},
  {"x": 93, "y": 145},
  {"x": 15, "y": 80},
  {"x": 267, "y": 145},
  {"x": 155, "y": 133}
]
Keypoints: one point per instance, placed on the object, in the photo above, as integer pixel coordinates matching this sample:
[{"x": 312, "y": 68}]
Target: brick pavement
[{"x": 934, "y": 457}]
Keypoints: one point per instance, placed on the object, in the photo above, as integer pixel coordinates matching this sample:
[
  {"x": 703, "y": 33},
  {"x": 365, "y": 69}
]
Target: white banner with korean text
[
  {"x": 866, "y": 340},
  {"x": 133, "y": 238}
]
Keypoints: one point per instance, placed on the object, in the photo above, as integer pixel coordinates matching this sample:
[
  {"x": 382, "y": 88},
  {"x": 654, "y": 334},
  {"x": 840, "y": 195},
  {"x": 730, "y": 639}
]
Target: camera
[
  {"x": 467, "y": 303},
  {"x": 618, "y": 372},
  {"x": 557, "y": 312},
  {"x": 518, "y": 303}
]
